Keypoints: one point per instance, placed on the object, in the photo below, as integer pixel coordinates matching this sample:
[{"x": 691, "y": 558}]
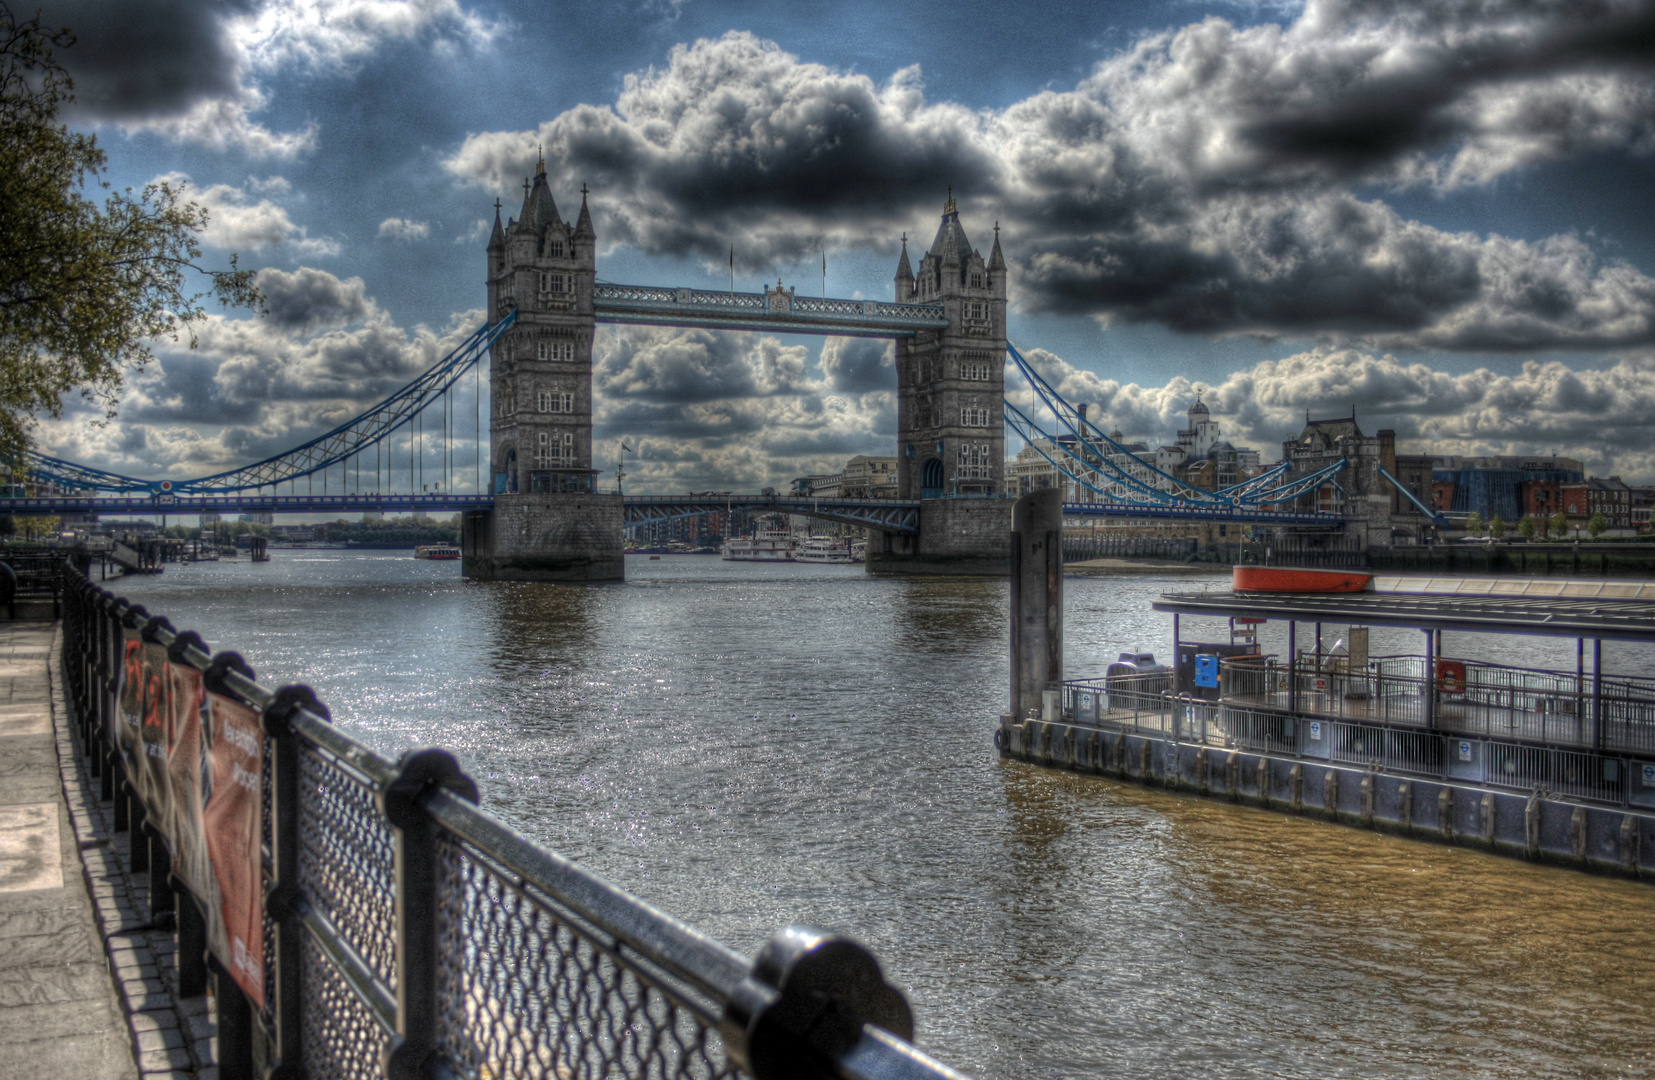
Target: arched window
[{"x": 930, "y": 479}]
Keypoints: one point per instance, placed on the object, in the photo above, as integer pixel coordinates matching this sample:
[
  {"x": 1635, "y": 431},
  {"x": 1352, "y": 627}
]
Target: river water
[{"x": 752, "y": 745}]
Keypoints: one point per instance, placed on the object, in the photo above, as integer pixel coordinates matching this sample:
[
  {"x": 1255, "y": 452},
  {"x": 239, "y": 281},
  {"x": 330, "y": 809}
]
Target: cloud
[
  {"x": 237, "y": 221},
  {"x": 858, "y": 365},
  {"x": 1206, "y": 178},
  {"x": 257, "y": 387},
  {"x": 198, "y": 71},
  {"x": 402, "y": 229},
  {"x": 307, "y": 299},
  {"x": 1598, "y": 415}
]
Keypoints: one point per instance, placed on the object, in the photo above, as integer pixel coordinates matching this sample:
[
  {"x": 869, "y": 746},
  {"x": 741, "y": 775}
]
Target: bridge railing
[{"x": 405, "y": 932}]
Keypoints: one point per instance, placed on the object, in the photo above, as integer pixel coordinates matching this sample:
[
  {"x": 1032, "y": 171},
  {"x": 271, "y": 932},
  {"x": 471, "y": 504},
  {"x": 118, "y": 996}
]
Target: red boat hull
[{"x": 1297, "y": 580}]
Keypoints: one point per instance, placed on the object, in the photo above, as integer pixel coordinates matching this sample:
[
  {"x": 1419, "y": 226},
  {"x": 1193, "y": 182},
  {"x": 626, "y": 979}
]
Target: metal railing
[
  {"x": 409, "y": 933},
  {"x": 1604, "y": 777},
  {"x": 31, "y": 574},
  {"x": 1473, "y": 698}
]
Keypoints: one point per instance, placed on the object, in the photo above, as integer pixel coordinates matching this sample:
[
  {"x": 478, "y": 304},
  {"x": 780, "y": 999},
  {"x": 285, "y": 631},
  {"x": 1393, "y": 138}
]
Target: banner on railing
[
  {"x": 129, "y": 721},
  {"x": 189, "y": 780},
  {"x": 234, "y": 828}
]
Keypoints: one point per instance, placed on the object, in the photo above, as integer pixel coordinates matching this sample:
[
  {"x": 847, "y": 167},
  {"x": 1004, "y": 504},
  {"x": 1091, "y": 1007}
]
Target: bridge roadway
[{"x": 888, "y": 515}]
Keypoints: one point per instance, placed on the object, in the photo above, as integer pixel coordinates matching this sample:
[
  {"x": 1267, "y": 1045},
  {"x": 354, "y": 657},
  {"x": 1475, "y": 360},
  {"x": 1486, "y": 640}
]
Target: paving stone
[
  {"x": 160, "y": 1039},
  {"x": 161, "y": 1060},
  {"x": 159, "y": 1020}
]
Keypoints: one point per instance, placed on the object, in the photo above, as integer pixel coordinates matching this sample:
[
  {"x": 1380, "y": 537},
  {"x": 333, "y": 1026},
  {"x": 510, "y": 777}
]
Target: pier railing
[
  {"x": 1359, "y": 720},
  {"x": 1465, "y": 697},
  {"x": 388, "y": 926}
]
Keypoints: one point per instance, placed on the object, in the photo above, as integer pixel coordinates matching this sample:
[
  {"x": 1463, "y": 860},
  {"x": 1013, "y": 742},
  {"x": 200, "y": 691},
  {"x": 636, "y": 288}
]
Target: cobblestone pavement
[
  {"x": 60, "y": 1014},
  {"x": 88, "y": 981}
]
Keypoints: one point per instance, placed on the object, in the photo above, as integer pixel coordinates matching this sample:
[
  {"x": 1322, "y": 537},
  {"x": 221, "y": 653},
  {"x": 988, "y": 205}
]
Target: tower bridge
[{"x": 538, "y": 514}]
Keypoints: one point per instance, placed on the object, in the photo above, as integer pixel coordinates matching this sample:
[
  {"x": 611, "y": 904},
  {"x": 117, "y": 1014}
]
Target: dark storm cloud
[
  {"x": 858, "y": 365},
  {"x": 142, "y": 58},
  {"x": 1198, "y": 179},
  {"x": 308, "y": 299}
]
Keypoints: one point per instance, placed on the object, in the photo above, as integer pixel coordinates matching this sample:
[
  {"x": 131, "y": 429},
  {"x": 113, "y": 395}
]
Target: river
[{"x": 752, "y": 745}]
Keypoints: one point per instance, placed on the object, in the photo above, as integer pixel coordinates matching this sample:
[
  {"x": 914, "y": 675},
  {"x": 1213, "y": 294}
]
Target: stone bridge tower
[
  {"x": 548, "y": 523},
  {"x": 951, "y": 443}
]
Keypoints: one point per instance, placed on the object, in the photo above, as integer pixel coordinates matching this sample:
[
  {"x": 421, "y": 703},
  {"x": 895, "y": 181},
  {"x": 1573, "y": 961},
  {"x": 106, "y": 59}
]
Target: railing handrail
[{"x": 750, "y": 1005}]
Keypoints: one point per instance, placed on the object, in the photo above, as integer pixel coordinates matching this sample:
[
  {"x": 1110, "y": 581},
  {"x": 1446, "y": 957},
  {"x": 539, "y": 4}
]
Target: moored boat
[
  {"x": 437, "y": 551},
  {"x": 822, "y": 549},
  {"x": 1297, "y": 579},
  {"x": 772, "y": 546}
]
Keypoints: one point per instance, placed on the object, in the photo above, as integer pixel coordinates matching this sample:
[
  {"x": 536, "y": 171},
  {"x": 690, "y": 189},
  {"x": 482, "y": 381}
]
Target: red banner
[
  {"x": 149, "y": 773},
  {"x": 234, "y": 827},
  {"x": 130, "y": 719}
]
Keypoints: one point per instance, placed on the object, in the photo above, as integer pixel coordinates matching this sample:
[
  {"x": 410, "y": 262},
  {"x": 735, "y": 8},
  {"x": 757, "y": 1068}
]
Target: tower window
[
  {"x": 553, "y": 283},
  {"x": 974, "y": 417},
  {"x": 980, "y": 372},
  {"x": 976, "y": 309},
  {"x": 973, "y": 463},
  {"x": 554, "y": 248},
  {"x": 551, "y": 401},
  {"x": 555, "y": 350},
  {"x": 552, "y": 449},
  {"x": 979, "y": 280}
]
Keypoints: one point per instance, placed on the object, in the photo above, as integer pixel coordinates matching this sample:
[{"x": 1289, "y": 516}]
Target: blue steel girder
[
  {"x": 774, "y": 312},
  {"x": 1243, "y": 515},
  {"x": 886, "y": 515},
  {"x": 249, "y": 503}
]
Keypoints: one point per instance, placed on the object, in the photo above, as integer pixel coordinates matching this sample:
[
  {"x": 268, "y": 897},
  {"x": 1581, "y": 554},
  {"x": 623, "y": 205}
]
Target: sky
[{"x": 1436, "y": 213}]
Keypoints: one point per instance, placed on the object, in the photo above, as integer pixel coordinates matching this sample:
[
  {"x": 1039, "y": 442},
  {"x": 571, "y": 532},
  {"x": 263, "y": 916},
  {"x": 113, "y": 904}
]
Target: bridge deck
[
  {"x": 776, "y": 312},
  {"x": 891, "y": 515}
]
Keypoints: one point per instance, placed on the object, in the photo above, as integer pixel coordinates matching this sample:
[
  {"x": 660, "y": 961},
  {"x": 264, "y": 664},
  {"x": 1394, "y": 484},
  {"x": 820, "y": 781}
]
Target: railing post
[
  {"x": 409, "y": 1055},
  {"x": 281, "y": 898},
  {"x": 235, "y": 1027},
  {"x": 805, "y": 1002}
]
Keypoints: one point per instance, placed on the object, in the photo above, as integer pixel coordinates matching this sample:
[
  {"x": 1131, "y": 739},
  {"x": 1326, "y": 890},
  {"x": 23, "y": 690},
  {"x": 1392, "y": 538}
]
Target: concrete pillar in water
[{"x": 1036, "y": 598}]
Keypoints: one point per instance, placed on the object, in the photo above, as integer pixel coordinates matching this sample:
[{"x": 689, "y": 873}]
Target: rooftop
[{"x": 1619, "y": 610}]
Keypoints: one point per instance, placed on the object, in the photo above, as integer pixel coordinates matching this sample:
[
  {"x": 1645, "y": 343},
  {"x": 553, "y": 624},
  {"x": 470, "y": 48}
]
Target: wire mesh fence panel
[
  {"x": 339, "y": 1036},
  {"x": 529, "y": 991},
  {"x": 347, "y": 856}
]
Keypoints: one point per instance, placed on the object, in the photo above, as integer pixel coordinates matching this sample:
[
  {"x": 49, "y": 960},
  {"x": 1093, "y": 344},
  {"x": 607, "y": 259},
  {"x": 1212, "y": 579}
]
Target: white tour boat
[
  {"x": 776, "y": 546},
  {"x": 822, "y": 549}
]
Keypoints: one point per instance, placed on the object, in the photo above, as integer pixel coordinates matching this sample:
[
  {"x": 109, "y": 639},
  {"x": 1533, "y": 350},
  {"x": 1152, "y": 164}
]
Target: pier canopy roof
[{"x": 1611, "y": 610}]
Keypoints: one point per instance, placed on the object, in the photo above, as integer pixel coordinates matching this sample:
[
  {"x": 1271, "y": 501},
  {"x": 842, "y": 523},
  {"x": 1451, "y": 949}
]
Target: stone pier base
[
  {"x": 562, "y": 537},
  {"x": 956, "y": 536}
]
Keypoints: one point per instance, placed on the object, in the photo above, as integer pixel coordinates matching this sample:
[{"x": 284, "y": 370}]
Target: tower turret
[{"x": 904, "y": 275}]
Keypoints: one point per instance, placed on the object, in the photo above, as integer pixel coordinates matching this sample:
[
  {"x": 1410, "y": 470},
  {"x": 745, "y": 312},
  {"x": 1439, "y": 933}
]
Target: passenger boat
[
  {"x": 772, "y": 546},
  {"x": 437, "y": 551},
  {"x": 1297, "y": 579},
  {"x": 822, "y": 549}
]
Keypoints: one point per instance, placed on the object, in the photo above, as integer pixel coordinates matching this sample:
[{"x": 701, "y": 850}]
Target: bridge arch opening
[{"x": 931, "y": 479}]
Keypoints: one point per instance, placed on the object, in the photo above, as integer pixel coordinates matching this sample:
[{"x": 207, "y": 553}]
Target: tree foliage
[
  {"x": 1474, "y": 524},
  {"x": 1527, "y": 528},
  {"x": 1497, "y": 527},
  {"x": 1597, "y": 525},
  {"x": 84, "y": 286},
  {"x": 1560, "y": 524}
]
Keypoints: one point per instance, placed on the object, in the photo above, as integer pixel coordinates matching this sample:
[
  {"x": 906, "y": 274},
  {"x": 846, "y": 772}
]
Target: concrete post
[{"x": 1036, "y": 598}]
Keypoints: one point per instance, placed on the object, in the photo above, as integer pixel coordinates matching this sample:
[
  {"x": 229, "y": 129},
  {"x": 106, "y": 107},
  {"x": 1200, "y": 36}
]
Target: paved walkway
[{"x": 60, "y": 1016}]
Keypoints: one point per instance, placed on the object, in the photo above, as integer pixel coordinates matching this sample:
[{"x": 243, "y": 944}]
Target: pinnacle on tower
[
  {"x": 583, "y": 224},
  {"x": 904, "y": 270},
  {"x": 497, "y": 238},
  {"x": 996, "y": 261}
]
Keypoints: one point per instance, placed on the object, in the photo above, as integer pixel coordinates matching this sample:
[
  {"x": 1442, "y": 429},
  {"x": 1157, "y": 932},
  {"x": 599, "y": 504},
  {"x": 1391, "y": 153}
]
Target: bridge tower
[
  {"x": 548, "y": 522},
  {"x": 951, "y": 444}
]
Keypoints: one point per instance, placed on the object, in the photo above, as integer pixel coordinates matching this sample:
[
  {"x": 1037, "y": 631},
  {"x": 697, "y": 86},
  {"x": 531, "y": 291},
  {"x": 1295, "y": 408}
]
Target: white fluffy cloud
[
  {"x": 245, "y": 219},
  {"x": 1599, "y": 415},
  {"x": 403, "y": 229},
  {"x": 1212, "y": 178}
]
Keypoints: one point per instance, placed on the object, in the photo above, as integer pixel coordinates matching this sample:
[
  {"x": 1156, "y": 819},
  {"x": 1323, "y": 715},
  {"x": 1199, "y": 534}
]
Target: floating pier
[{"x": 1553, "y": 766}]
